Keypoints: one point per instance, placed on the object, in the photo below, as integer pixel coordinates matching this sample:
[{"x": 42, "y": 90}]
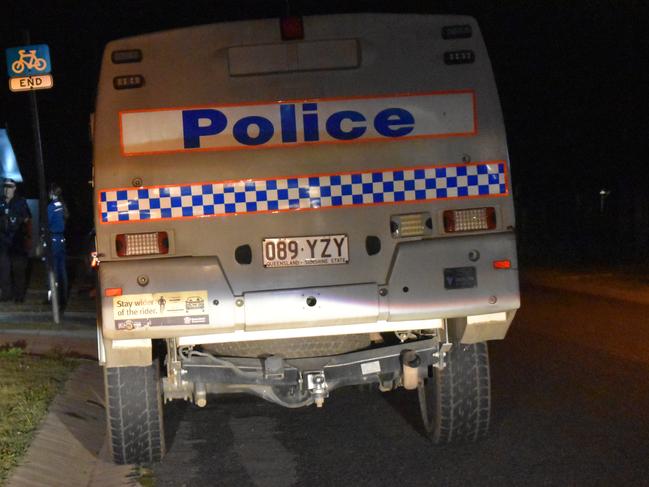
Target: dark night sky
[{"x": 572, "y": 78}]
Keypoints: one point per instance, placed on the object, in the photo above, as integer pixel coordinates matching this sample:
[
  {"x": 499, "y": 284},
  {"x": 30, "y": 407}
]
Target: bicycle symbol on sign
[{"x": 29, "y": 60}]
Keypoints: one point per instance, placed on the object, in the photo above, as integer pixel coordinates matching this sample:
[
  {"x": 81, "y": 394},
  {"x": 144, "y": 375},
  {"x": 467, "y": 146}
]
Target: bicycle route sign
[{"x": 29, "y": 68}]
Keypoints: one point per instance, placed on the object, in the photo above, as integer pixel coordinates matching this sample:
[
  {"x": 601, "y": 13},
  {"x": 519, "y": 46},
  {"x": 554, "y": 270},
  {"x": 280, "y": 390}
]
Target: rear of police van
[{"x": 308, "y": 188}]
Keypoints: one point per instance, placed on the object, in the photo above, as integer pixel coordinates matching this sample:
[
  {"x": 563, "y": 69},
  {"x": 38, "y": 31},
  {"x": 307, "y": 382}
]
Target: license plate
[{"x": 300, "y": 251}]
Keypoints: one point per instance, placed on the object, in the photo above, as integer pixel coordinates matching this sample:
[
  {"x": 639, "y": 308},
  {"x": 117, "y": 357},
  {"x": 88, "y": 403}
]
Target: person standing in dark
[
  {"x": 15, "y": 242},
  {"x": 57, "y": 214}
]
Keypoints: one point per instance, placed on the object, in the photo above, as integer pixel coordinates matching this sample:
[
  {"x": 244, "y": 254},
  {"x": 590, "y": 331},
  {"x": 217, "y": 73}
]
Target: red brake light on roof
[
  {"x": 132, "y": 244},
  {"x": 292, "y": 28}
]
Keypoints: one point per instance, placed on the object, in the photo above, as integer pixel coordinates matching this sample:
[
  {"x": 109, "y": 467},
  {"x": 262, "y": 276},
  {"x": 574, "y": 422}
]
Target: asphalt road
[{"x": 571, "y": 407}]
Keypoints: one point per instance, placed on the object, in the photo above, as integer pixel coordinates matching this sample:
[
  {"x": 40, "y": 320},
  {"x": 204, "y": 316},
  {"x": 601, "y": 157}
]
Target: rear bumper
[{"x": 416, "y": 294}]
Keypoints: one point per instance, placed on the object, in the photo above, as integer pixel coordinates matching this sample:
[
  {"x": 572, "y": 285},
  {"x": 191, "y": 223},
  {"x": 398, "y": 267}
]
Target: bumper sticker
[
  {"x": 309, "y": 192},
  {"x": 160, "y": 309}
]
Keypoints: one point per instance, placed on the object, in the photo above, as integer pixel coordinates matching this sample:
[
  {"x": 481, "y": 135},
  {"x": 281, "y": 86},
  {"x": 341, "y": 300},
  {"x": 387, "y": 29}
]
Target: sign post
[{"x": 29, "y": 69}]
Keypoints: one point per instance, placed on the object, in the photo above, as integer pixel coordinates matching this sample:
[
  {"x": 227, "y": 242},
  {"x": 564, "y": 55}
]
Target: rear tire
[
  {"x": 455, "y": 402},
  {"x": 134, "y": 414}
]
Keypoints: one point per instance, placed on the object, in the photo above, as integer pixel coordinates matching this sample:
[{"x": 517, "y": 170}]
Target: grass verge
[{"x": 27, "y": 386}]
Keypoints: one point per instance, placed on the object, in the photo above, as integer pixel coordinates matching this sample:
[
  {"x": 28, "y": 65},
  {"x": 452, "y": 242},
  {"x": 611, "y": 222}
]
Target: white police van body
[{"x": 293, "y": 216}]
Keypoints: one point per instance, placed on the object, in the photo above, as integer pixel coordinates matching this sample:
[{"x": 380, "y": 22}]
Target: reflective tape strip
[{"x": 309, "y": 192}]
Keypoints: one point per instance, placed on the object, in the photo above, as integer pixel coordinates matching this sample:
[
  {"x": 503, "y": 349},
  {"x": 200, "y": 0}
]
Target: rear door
[{"x": 288, "y": 160}]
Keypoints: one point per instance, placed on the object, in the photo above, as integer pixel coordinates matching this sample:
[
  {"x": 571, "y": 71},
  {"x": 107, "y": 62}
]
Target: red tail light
[
  {"x": 132, "y": 244},
  {"x": 502, "y": 264},
  {"x": 470, "y": 220}
]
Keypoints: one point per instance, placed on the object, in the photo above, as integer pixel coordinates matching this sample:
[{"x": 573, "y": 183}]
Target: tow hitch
[
  {"x": 317, "y": 385},
  {"x": 193, "y": 374}
]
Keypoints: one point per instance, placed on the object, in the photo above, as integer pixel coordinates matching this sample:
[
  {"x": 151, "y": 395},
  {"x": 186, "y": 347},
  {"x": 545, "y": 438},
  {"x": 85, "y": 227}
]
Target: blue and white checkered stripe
[{"x": 307, "y": 192}]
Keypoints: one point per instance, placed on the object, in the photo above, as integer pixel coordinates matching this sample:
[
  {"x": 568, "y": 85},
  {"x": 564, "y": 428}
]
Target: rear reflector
[
  {"x": 471, "y": 220},
  {"x": 292, "y": 28},
  {"x": 502, "y": 264},
  {"x": 131, "y": 244},
  {"x": 112, "y": 292}
]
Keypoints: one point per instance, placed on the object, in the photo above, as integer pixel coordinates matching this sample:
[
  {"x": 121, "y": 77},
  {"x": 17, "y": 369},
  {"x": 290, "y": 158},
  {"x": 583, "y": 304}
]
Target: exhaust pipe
[{"x": 200, "y": 395}]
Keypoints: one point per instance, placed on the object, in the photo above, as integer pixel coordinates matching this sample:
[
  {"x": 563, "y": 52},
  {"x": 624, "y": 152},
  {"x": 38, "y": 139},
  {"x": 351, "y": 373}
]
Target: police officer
[
  {"x": 15, "y": 242},
  {"x": 57, "y": 214}
]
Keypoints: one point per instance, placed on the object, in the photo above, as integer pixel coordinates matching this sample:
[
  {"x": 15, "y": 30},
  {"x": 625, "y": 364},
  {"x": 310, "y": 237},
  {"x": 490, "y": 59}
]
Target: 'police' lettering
[
  {"x": 310, "y": 122},
  {"x": 241, "y": 130},
  {"x": 193, "y": 130},
  {"x": 334, "y": 125},
  {"x": 287, "y": 116},
  {"x": 307, "y": 121},
  {"x": 257, "y": 130},
  {"x": 394, "y": 122}
]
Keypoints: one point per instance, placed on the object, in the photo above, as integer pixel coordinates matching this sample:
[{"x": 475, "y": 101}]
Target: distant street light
[{"x": 603, "y": 194}]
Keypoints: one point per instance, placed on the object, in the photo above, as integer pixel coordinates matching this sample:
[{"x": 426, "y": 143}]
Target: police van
[{"x": 290, "y": 207}]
